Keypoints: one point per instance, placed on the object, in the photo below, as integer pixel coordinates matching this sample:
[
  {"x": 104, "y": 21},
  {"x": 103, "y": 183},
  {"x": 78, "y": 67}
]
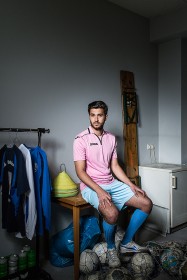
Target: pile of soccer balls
[{"x": 169, "y": 256}]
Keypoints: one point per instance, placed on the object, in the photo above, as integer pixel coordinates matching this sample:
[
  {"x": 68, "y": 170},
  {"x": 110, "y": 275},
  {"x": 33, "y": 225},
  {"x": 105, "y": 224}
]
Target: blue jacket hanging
[
  {"x": 14, "y": 186},
  {"x": 43, "y": 188}
]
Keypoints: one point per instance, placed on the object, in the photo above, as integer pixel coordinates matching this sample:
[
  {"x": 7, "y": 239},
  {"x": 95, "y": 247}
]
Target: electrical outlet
[{"x": 150, "y": 147}]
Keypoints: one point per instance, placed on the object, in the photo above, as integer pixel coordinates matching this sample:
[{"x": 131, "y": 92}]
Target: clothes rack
[
  {"x": 38, "y": 130},
  {"x": 41, "y": 274}
]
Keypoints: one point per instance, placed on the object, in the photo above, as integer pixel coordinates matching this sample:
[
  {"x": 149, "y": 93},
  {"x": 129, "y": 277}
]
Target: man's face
[{"x": 97, "y": 118}]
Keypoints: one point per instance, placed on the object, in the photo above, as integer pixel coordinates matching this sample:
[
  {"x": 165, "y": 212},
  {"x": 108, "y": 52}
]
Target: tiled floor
[{"x": 143, "y": 236}]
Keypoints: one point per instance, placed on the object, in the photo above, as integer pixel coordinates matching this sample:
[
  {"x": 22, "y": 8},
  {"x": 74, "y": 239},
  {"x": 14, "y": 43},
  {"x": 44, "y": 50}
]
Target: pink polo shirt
[{"x": 98, "y": 153}]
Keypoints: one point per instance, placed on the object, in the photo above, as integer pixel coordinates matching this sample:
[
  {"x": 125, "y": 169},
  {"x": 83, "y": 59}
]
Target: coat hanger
[
  {"x": 10, "y": 140},
  {"x": 16, "y": 140}
]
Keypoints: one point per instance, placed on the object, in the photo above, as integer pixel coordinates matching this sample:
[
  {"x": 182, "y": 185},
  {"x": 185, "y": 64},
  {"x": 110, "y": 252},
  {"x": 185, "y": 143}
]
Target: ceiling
[{"x": 151, "y": 8}]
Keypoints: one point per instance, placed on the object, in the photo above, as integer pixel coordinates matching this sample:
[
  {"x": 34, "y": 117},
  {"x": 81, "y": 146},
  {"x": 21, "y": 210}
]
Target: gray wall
[
  {"x": 169, "y": 90},
  {"x": 171, "y": 25},
  {"x": 184, "y": 100},
  {"x": 55, "y": 58},
  {"x": 169, "y": 32},
  {"x": 172, "y": 101}
]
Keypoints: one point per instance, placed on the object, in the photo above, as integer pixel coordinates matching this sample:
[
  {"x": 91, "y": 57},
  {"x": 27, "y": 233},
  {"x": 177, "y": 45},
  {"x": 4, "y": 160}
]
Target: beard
[{"x": 97, "y": 126}]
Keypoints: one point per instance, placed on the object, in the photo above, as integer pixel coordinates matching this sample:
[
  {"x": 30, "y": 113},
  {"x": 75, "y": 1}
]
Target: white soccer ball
[
  {"x": 101, "y": 250},
  {"x": 142, "y": 265},
  {"x": 120, "y": 273},
  {"x": 89, "y": 261}
]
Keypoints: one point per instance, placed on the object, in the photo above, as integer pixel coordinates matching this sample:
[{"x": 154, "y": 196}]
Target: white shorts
[{"x": 119, "y": 191}]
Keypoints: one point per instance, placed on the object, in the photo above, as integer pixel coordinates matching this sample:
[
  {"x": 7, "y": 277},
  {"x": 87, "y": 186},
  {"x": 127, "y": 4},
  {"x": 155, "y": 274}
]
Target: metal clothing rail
[
  {"x": 41, "y": 273},
  {"x": 38, "y": 130}
]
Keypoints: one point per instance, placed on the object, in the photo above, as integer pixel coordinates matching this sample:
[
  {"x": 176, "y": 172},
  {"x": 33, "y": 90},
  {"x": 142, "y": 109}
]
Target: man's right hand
[{"x": 104, "y": 198}]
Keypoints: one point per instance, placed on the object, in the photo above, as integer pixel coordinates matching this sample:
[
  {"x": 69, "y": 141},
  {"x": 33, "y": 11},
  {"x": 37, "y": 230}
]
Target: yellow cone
[{"x": 64, "y": 181}]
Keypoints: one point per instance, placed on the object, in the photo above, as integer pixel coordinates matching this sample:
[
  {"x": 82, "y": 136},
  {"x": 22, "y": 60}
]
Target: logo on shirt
[
  {"x": 9, "y": 162},
  {"x": 92, "y": 144}
]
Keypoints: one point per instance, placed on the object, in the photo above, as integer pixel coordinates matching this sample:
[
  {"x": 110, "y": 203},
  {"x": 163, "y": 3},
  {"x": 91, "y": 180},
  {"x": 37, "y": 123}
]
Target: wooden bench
[{"x": 76, "y": 204}]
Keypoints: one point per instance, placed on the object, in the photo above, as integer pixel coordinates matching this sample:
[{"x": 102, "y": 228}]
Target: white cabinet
[{"x": 166, "y": 185}]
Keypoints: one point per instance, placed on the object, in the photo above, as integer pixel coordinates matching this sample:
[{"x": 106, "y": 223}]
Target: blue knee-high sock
[
  {"x": 137, "y": 219},
  {"x": 109, "y": 232}
]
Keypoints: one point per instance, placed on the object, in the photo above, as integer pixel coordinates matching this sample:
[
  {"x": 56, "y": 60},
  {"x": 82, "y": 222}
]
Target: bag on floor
[{"x": 62, "y": 243}]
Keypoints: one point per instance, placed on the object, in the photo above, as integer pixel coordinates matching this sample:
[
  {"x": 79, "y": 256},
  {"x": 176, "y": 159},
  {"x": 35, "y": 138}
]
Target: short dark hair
[{"x": 97, "y": 105}]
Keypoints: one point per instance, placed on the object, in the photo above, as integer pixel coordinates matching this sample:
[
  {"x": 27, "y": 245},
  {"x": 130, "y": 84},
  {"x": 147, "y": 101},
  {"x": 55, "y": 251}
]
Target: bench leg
[{"x": 76, "y": 228}]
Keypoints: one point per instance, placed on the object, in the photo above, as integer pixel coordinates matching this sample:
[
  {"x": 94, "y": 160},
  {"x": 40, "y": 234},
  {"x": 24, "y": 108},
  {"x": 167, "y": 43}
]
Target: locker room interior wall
[{"x": 58, "y": 56}]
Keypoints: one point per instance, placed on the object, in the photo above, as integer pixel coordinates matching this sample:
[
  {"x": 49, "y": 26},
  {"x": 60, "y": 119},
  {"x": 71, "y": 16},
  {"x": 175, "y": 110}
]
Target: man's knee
[
  {"x": 111, "y": 217},
  {"x": 148, "y": 205}
]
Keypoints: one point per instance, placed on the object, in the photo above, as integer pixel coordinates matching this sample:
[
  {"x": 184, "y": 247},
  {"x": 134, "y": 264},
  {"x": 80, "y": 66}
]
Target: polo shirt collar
[{"x": 90, "y": 130}]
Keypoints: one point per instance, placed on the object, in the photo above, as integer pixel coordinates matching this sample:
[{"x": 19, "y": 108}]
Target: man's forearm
[
  {"x": 87, "y": 180},
  {"x": 120, "y": 174}
]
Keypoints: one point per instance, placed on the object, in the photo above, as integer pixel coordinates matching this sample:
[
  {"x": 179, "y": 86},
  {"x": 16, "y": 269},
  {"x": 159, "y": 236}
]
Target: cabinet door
[
  {"x": 178, "y": 198},
  {"x": 158, "y": 220},
  {"x": 156, "y": 183}
]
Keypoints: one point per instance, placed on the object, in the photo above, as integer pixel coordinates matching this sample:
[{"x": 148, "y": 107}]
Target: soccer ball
[
  {"x": 142, "y": 265},
  {"x": 172, "y": 244},
  {"x": 183, "y": 270},
  {"x": 119, "y": 236},
  {"x": 101, "y": 250},
  {"x": 120, "y": 273},
  {"x": 171, "y": 260},
  {"x": 89, "y": 261},
  {"x": 155, "y": 248},
  {"x": 125, "y": 259},
  {"x": 95, "y": 276},
  {"x": 184, "y": 248}
]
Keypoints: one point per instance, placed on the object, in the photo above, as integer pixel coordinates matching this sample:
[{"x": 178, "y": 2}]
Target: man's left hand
[{"x": 137, "y": 190}]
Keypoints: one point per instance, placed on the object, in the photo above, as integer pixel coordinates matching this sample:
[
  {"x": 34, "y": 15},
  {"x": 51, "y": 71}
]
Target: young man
[{"x": 95, "y": 158}]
